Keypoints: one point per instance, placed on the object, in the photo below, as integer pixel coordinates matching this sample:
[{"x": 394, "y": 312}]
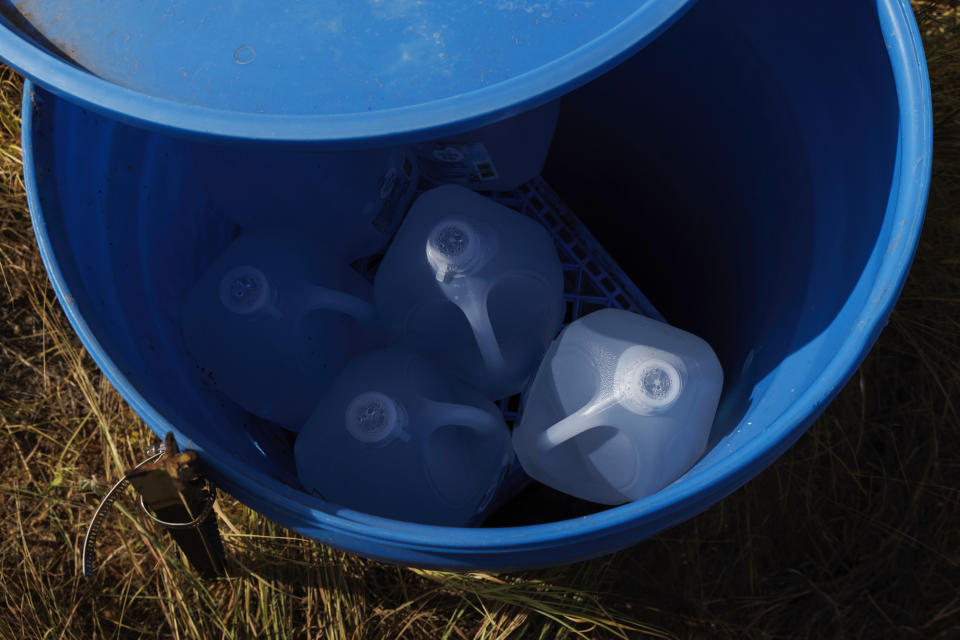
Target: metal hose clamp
[
  {"x": 193, "y": 524},
  {"x": 94, "y": 528}
]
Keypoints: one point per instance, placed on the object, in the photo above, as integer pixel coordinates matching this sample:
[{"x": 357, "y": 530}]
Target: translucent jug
[
  {"x": 473, "y": 285},
  {"x": 621, "y": 406},
  {"x": 274, "y": 319},
  {"x": 498, "y": 157},
  {"x": 397, "y": 437}
]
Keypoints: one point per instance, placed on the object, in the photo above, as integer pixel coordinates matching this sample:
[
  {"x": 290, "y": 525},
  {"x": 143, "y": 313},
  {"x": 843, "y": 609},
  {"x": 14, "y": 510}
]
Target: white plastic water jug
[
  {"x": 473, "y": 285},
  {"x": 274, "y": 320},
  {"x": 621, "y": 406},
  {"x": 397, "y": 437},
  {"x": 498, "y": 157}
]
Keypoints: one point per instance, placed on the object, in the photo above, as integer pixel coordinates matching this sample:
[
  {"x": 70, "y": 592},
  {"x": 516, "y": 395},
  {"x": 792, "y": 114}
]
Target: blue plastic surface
[
  {"x": 353, "y": 200},
  {"x": 766, "y": 193},
  {"x": 321, "y": 71}
]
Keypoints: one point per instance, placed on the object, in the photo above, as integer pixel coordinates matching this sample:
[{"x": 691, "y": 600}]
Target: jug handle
[
  {"x": 479, "y": 318},
  {"x": 447, "y": 413},
  {"x": 351, "y": 305},
  {"x": 589, "y": 417}
]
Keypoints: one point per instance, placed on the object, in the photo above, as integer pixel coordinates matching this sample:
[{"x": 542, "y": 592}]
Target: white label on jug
[
  {"x": 394, "y": 185},
  {"x": 457, "y": 162}
]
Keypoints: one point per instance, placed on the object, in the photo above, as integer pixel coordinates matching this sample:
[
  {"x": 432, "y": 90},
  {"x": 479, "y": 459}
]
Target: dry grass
[{"x": 854, "y": 533}]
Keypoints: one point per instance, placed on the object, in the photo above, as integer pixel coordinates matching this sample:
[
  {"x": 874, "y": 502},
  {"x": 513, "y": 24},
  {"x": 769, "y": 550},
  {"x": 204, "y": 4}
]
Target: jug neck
[
  {"x": 375, "y": 418},
  {"x": 454, "y": 248},
  {"x": 644, "y": 383}
]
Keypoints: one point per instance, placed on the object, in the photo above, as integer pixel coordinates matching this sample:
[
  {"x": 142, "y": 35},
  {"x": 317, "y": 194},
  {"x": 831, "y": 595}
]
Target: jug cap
[
  {"x": 244, "y": 290},
  {"x": 453, "y": 247},
  {"x": 651, "y": 385},
  {"x": 375, "y": 418}
]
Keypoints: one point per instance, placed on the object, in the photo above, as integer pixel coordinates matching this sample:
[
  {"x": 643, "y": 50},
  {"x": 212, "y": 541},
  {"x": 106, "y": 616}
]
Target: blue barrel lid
[{"x": 322, "y": 70}]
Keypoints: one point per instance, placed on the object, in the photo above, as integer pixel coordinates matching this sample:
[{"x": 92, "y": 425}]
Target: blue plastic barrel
[
  {"x": 328, "y": 72},
  {"x": 760, "y": 171}
]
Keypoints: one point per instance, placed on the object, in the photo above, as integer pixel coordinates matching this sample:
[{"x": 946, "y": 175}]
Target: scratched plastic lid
[{"x": 348, "y": 72}]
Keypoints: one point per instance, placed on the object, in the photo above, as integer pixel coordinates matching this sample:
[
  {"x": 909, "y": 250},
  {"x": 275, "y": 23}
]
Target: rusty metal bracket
[{"x": 174, "y": 495}]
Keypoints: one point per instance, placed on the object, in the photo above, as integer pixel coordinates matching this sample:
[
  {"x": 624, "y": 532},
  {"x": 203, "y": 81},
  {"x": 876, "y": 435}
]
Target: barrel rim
[{"x": 356, "y": 130}]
